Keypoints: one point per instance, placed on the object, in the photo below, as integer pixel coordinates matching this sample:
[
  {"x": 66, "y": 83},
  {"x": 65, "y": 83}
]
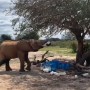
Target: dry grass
[{"x": 38, "y": 80}]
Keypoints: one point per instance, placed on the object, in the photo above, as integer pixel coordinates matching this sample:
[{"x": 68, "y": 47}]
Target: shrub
[{"x": 74, "y": 47}]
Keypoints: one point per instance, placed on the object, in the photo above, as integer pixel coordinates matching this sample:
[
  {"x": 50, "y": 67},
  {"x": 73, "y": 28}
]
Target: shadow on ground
[{"x": 38, "y": 80}]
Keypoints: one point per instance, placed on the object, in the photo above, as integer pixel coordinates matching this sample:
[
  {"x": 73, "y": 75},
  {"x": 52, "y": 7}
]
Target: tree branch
[{"x": 44, "y": 55}]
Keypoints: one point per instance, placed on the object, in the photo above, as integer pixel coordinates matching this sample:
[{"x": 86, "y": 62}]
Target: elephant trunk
[{"x": 45, "y": 43}]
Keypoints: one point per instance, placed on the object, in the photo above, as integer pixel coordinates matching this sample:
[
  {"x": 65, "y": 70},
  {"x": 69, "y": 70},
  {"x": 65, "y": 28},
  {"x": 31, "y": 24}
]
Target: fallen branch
[
  {"x": 43, "y": 56},
  {"x": 81, "y": 66},
  {"x": 35, "y": 62}
]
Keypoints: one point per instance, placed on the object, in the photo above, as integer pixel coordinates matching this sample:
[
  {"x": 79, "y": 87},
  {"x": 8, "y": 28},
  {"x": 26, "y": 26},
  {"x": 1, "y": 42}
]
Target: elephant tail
[{"x": 3, "y": 62}]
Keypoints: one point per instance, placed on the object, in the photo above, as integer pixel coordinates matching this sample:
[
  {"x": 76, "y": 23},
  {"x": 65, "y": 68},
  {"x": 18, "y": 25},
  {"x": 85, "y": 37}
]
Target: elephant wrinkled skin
[{"x": 19, "y": 49}]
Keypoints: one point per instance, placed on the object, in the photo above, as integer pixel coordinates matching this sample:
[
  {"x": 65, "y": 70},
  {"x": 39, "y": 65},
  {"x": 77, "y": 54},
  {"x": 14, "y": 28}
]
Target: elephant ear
[
  {"x": 33, "y": 44},
  {"x": 38, "y": 44}
]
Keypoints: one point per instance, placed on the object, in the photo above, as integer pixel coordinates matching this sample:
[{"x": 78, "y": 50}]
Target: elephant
[
  {"x": 19, "y": 49},
  {"x": 85, "y": 57}
]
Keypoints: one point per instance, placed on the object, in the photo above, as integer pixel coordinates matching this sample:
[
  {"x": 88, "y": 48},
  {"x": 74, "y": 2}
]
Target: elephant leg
[
  {"x": 28, "y": 62},
  {"x": 8, "y": 68},
  {"x": 22, "y": 58}
]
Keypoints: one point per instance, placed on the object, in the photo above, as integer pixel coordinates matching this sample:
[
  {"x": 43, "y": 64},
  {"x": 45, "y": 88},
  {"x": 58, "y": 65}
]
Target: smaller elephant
[
  {"x": 85, "y": 57},
  {"x": 19, "y": 49}
]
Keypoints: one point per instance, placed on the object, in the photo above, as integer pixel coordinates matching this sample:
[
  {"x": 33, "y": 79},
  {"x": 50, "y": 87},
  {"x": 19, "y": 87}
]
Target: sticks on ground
[
  {"x": 35, "y": 62},
  {"x": 43, "y": 56}
]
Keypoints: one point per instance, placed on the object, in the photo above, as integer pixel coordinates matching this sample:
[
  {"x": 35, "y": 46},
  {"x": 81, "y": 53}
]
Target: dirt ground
[{"x": 39, "y": 80}]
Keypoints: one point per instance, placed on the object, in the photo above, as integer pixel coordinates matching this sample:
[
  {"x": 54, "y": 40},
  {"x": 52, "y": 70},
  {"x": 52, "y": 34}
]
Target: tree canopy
[
  {"x": 56, "y": 14},
  {"x": 51, "y": 16},
  {"x": 67, "y": 35},
  {"x": 28, "y": 35}
]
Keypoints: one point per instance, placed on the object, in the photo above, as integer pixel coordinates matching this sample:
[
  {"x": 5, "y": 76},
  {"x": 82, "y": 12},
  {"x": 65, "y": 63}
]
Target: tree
[
  {"x": 5, "y": 37},
  {"x": 57, "y": 15},
  {"x": 67, "y": 35},
  {"x": 30, "y": 35},
  {"x": 23, "y": 31}
]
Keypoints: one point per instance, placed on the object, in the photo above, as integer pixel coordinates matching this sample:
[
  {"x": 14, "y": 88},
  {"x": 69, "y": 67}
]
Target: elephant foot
[
  {"x": 8, "y": 69},
  {"x": 21, "y": 70},
  {"x": 28, "y": 68}
]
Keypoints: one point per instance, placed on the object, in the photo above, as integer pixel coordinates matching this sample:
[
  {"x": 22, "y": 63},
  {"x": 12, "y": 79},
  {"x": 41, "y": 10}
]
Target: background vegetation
[{"x": 64, "y": 47}]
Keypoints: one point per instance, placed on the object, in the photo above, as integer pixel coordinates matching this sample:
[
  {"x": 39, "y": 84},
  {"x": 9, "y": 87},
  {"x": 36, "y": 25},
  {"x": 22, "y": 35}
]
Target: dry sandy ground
[{"x": 38, "y": 80}]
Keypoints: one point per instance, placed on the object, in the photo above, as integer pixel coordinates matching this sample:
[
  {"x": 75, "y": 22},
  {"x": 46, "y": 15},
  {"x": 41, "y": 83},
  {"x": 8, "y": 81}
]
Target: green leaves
[{"x": 45, "y": 13}]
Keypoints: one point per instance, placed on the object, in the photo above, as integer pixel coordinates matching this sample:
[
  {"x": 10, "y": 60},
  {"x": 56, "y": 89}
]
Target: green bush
[
  {"x": 63, "y": 43},
  {"x": 74, "y": 47},
  {"x": 27, "y": 36},
  {"x": 68, "y": 44}
]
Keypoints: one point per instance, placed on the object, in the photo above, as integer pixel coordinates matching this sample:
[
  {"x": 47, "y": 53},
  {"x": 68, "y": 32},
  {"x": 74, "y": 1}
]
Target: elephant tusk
[{"x": 47, "y": 44}]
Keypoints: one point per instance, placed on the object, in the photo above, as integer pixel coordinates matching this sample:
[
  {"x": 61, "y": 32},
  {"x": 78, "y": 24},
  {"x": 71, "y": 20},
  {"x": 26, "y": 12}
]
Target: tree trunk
[{"x": 79, "y": 50}]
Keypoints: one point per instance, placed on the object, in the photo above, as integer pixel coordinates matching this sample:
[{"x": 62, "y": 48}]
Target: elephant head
[{"x": 38, "y": 44}]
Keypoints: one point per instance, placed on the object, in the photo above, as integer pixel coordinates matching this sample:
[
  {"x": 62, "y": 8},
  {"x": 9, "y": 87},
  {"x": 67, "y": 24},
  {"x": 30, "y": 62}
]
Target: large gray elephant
[{"x": 19, "y": 49}]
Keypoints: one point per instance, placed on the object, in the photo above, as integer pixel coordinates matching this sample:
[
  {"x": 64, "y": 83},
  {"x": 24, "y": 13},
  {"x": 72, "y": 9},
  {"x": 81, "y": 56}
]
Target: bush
[
  {"x": 74, "y": 47},
  {"x": 63, "y": 43},
  {"x": 5, "y": 37},
  {"x": 27, "y": 36}
]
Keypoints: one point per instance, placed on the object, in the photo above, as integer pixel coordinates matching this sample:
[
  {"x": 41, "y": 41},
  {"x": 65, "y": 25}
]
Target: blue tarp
[{"x": 57, "y": 65}]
